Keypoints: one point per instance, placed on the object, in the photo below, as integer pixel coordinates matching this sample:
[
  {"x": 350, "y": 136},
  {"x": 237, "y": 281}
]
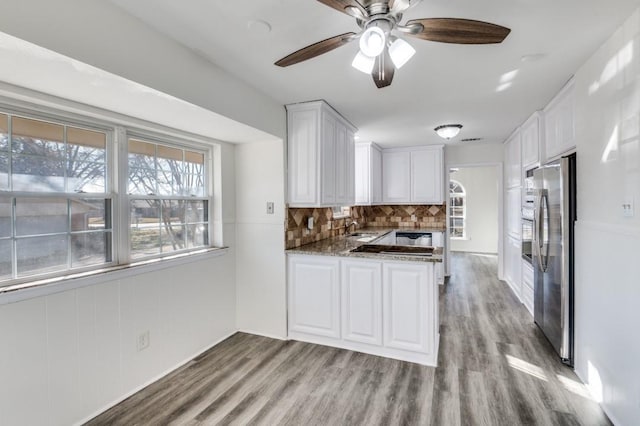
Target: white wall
[
  {"x": 607, "y": 90},
  {"x": 481, "y": 186},
  {"x": 67, "y": 356},
  {"x": 473, "y": 153},
  {"x": 260, "y": 262},
  {"x": 99, "y": 33}
]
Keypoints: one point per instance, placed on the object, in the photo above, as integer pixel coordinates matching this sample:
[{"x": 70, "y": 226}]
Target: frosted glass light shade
[
  {"x": 448, "y": 131},
  {"x": 400, "y": 52},
  {"x": 372, "y": 42},
  {"x": 363, "y": 63}
]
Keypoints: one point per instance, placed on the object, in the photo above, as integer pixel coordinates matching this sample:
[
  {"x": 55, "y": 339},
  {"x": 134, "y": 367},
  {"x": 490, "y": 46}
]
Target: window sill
[{"x": 44, "y": 287}]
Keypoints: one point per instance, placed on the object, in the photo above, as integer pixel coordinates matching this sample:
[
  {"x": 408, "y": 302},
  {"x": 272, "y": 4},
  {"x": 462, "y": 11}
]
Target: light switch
[
  {"x": 270, "y": 207},
  {"x": 627, "y": 207}
]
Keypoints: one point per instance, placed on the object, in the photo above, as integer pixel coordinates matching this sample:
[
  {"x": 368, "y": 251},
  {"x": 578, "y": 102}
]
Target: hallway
[{"x": 495, "y": 368}]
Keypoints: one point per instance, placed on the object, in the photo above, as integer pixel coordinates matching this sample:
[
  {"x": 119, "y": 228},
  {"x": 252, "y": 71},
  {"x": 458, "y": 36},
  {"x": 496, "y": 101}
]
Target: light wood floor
[{"x": 495, "y": 368}]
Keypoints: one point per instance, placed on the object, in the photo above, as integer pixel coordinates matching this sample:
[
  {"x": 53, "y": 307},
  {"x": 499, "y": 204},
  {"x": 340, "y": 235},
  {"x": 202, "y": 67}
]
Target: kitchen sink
[
  {"x": 363, "y": 234},
  {"x": 401, "y": 250}
]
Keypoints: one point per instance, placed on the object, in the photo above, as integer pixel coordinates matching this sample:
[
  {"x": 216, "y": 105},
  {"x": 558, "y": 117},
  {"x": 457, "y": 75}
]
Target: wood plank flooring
[{"x": 495, "y": 368}]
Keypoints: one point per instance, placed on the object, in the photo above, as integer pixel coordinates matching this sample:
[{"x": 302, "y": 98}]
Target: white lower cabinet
[
  {"x": 314, "y": 295},
  {"x": 379, "y": 307},
  {"x": 438, "y": 241},
  {"x": 362, "y": 301},
  {"x": 527, "y": 286},
  {"x": 407, "y": 292}
]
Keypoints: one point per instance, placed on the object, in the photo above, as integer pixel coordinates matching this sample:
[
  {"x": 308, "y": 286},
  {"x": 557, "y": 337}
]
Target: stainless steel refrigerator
[{"x": 553, "y": 253}]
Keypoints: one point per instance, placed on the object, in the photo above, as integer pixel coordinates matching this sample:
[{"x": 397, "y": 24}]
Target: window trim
[
  {"x": 117, "y": 128},
  {"x": 462, "y": 195}
]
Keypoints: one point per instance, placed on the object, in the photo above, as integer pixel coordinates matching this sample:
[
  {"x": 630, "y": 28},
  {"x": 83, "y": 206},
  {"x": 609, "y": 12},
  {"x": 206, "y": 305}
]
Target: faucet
[{"x": 347, "y": 227}]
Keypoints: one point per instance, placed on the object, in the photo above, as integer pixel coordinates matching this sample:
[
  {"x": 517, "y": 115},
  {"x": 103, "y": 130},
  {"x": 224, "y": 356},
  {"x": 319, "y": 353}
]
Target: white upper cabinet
[
  {"x": 368, "y": 174},
  {"x": 559, "y": 136},
  {"x": 396, "y": 177},
  {"x": 320, "y": 152},
  {"x": 413, "y": 175},
  {"x": 530, "y": 134},
  {"x": 513, "y": 165}
]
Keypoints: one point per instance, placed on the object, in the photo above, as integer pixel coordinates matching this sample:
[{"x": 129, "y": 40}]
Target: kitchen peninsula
[{"x": 357, "y": 292}]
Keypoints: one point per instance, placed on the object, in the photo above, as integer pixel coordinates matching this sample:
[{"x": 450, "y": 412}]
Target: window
[
  {"x": 169, "y": 211},
  {"x": 60, "y": 200},
  {"x": 340, "y": 212},
  {"x": 457, "y": 210},
  {"x": 55, "y": 208}
]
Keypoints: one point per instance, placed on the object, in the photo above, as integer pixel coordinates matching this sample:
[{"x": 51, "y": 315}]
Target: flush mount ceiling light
[
  {"x": 448, "y": 131},
  {"x": 381, "y": 52}
]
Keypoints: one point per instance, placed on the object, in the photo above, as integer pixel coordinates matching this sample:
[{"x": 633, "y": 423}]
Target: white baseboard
[
  {"x": 602, "y": 404},
  {"x": 258, "y": 333}
]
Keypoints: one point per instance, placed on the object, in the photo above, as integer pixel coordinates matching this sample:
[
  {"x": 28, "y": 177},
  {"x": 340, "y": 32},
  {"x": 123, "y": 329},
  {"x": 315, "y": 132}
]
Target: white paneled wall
[
  {"x": 607, "y": 117},
  {"x": 260, "y": 259},
  {"x": 67, "y": 356}
]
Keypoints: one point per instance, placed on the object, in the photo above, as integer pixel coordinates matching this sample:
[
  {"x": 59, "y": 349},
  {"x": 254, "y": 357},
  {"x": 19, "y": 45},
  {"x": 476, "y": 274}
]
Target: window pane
[
  {"x": 145, "y": 228},
  {"x": 457, "y": 211},
  {"x": 88, "y": 215},
  {"x": 5, "y": 217},
  {"x": 4, "y": 152},
  {"x": 193, "y": 178},
  {"x": 86, "y": 177},
  {"x": 37, "y": 173},
  {"x": 91, "y": 248},
  {"x": 41, "y": 254},
  {"x": 4, "y": 169},
  {"x": 457, "y": 222},
  {"x": 173, "y": 237},
  {"x": 169, "y": 178},
  {"x": 196, "y": 212},
  {"x": 41, "y": 216},
  {"x": 142, "y": 181},
  {"x": 197, "y": 235},
  {"x": 5, "y": 259},
  {"x": 173, "y": 211}
]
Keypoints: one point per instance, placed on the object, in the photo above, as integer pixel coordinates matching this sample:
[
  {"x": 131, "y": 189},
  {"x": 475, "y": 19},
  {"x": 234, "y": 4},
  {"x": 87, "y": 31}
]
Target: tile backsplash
[{"x": 326, "y": 226}]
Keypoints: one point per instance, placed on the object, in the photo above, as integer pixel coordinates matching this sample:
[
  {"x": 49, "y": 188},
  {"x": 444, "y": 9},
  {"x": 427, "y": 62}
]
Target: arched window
[{"x": 457, "y": 210}]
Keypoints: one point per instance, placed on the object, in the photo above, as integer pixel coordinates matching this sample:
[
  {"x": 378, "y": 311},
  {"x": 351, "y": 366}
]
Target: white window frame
[
  {"x": 117, "y": 128},
  {"x": 462, "y": 195}
]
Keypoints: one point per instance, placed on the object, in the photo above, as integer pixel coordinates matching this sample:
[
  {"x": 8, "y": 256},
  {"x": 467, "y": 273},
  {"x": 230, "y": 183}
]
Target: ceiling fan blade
[
  {"x": 350, "y": 7},
  {"x": 459, "y": 31},
  {"x": 316, "y": 49},
  {"x": 383, "y": 70}
]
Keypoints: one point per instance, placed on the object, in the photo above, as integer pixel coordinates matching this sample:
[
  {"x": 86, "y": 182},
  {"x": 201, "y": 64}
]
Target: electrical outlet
[
  {"x": 627, "y": 207},
  {"x": 413, "y": 218},
  {"x": 270, "y": 207},
  {"x": 143, "y": 341}
]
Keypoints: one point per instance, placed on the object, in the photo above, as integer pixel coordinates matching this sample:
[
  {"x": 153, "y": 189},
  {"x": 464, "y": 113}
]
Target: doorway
[{"x": 473, "y": 211}]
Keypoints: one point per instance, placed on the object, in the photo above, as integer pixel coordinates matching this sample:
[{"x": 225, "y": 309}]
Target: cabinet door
[
  {"x": 408, "y": 317},
  {"x": 513, "y": 265},
  {"x": 350, "y": 147},
  {"x": 559, "y": 124},
  {"x": 513, "y": 161},
  {"x": 303, "y": 154},
  {"x": 514, "y": 212},
  {"x": 328, "y": 152},
  {"x": 363, "y": 170},
  {"x": 342, "y": 165},
  {"x": 362, "y": 301},
  {"x": 426, "y": 176},
  {"x": 314, "y": 299},
  {"x": 376, "y": 176},
  {"x": 527, "y": 286},
  {"x": 396, "y": 183},
  {"x": 530, "y": 143}
]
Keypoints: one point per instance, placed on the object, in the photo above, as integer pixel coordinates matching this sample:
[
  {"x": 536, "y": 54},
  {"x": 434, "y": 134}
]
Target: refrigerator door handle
[
  {"x": 538, "y": 230},
  {"x": 545, "y": 241}
]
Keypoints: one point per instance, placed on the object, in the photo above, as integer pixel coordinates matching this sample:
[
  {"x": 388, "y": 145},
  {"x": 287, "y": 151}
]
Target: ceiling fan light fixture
[
  {"x": 400, "y": 52},
  {"x": 363, "y": 63},
  {"x": 372, "y": 42},
  {"x": 448, "y": 131}
]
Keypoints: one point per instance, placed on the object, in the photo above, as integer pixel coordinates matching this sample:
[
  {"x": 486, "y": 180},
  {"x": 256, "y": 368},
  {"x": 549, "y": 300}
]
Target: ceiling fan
[{"x": 381, "y": 51}]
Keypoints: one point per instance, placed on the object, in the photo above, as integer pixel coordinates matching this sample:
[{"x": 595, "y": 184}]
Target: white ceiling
[{"x": 443, "y": 83}]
